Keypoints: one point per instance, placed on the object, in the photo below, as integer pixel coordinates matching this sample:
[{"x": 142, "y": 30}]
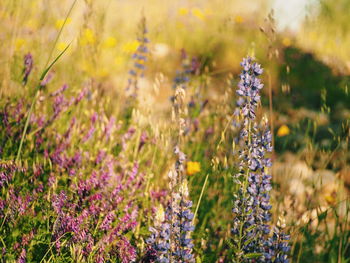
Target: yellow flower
[
  {"x": 110, "y": 42},
  {"x": 239, "y": 19},
  {"x": 182, "y": 11},
  {"x": 286, "y": 42},
  {"x": 130, "y": 47},
  {"x": 87, "y": 37},
  {"x": 330, "y": 199},
  {"x": 59, "y": 22},
  {"x": 283, "y": 131},
  {"x": 193, "y": 167},
  {"x": 61, "y": 46},
  {"x": 198, "y": 13},
  {"x": 119, "y": 60},
  {"x": 19, "y": 43}
]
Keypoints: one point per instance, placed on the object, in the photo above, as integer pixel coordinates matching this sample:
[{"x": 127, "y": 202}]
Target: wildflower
[
  {"x": 28, "y": 66},
  {"x": 106, "y": 223},
  {"x": 283, "y": 131},
  {"x": 193, "y": 167},
  {"x": 170, "y": 239},
  {"x": 81, "y": 95},
  {"x": 239, "y": 19},
  {"x": 139, "y": 57},
  {"x": 100, "y": 156},
  {"x": 251, "y": 224},
  {"x": 109, "y": 127},
  {"x": 197, "y": 12},
  {"x": 23, "y": 256},
  {"x": 126, "y": 251},
  {"x": 119, "y": 60},
  {"x": 189, "y": 67},
  {"x": 58, "y": 201},
  {"x": 60, "y": 22},
  {"x": 110, "y": 42},
  {"x": 143, "y": 140},
  {"x": 46, "y": 80},
  {"x": 19, "y": 43},
  {"x": 60, "y": 90},
  {"x": 7, "y": 171},
  {"x": 61, "y": 46},
  {"x": 183, "y": 11},
  {"x": 277, "y": 246},
  {"x": 130, "y": 47},
  {"x": 87, "y": 37},
  {"x": 286, "y": 42},
  {"x": 92, "y": 129},
  {"x": 59, "y": 101}
]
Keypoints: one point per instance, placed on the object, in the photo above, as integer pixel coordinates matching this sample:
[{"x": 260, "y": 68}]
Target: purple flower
[
  {"x": 100, "y": 156},
  {"x": 251, "y": 223},
  {"x": 107, "y": 221},
  {"x": 22, "y": 257},
  {"x": 109, "y": 128},
  {"x": 170, "y": 239},
  {"x": 143, "y": 139},
  {"x": 92, "y": 129},
  {"x": 126, "y": 251},
  {"x": 139, "y": 58},
  {"x": 47, "y": 79},
  {"x": 28, "y": 66},
  {"x": 7, "y": 171},
  {"x": 58, "y": 104},
  {"x": 182, "y": 76},
  {"x": 60, "y": 90},
  {"x": 81, "y": 95},
  {"x": 58, "y": 202}
]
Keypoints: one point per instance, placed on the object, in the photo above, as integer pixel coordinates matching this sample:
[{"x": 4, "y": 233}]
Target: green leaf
[
  {"x": 322, "y": 216},
  {"x": 53, "y": 63}
]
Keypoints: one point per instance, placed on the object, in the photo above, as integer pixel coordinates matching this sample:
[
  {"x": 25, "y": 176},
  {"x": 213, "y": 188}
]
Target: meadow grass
[{"x": 124, "y": 138}]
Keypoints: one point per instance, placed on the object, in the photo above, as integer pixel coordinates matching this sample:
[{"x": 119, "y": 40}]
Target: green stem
[
  {"x": 200, "y": 198},
  {"x": 3, "y": 243},
  {"x": 52, "y": 244},
  {"x": 59, "y": 33},
  {"x": 34, "y": 101},
  {"x": 26, "y": 125},
  {"x": 44, "y": 73},
  {"x": 2, "y": 224}
]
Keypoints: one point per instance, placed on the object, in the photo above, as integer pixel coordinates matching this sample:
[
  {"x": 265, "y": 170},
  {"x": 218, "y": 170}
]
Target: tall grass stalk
[
  {"x": 200, "y": 199},
  {"x": 43, "y": 75},
  {"x": 47, "y": 67}
]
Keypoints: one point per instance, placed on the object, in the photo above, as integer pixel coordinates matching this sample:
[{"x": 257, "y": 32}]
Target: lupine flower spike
[
  {"x": 251, "y": 223},
  {"x": 170, "y": 240},
  {"x": 139, "y": 57}
]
